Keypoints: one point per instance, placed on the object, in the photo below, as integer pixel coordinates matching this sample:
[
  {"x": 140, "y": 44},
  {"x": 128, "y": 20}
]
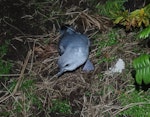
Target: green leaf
[
  {"x": 144, "y": 33},
  {"x": 142, "y": 67},
  {"x": 138, "y": 77},
  {"x": 118, "y": 19},
  {"x": 146, "y": 78}
]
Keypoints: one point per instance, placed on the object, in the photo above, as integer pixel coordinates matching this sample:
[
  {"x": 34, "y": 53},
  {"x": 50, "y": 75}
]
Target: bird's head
[
  {"x": 70, "y": 62},
  {"x": 67, "y": 29}
]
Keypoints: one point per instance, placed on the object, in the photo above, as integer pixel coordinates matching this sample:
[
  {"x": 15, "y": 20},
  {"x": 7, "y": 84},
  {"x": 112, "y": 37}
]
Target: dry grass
[{"x": 89, "y": 94}]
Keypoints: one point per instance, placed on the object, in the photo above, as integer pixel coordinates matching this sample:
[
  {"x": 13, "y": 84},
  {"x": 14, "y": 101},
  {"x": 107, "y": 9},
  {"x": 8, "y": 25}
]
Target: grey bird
[{"x": 74, "y": 51}]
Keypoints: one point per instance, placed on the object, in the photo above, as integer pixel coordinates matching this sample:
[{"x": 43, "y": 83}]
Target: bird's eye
[{"x": 66, "y": 65}]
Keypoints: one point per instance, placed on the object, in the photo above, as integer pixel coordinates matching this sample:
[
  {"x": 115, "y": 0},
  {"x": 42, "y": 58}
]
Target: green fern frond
[
  {"x": 142, "y": 67},
  {"x": 144, "y": 33}
]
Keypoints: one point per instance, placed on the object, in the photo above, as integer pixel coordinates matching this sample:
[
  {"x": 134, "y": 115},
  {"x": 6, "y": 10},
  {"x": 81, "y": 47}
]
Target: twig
[
  {"x": 14, "y": 27},
  {"x": 9, "y": 75},
  {"x": 11, "y": 95},
  {"x": 22, "y": 72},
  {"x": 5, "y": 97},
  {"x": 32, "y": 57},
  {"x": 129, "y": 106}
]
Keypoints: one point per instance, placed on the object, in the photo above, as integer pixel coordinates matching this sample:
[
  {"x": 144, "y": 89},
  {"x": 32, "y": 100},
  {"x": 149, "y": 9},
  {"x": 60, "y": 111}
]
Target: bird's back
[{"x": 73, "y": 40}]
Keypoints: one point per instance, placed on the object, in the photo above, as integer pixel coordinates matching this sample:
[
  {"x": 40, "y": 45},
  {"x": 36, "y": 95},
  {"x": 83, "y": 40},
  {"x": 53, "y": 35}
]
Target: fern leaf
[
  {"x": 144, "y": 33},
  {"x": 142, "y": 67},
  {"x": 138, "y": 77},
  {"x": 143, "y": 72},
  {"x": 118, "y": 20},
  {"x": 146, "y": 79}
]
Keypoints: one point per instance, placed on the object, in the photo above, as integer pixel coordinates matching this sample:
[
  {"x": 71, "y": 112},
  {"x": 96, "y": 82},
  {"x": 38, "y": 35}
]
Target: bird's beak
[{"x": 60, "y": 73}]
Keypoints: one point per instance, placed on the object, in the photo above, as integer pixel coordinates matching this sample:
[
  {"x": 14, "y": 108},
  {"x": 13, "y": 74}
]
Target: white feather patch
[{"x": 117, "y": 68}]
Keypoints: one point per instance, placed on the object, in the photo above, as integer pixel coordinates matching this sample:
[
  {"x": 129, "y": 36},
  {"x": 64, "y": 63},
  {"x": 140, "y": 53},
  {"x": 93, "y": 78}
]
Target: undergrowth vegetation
[
  {"x": 135, "y": 104},
  {"x": 6, "y": 65},
  {"x": 136, "y": 18},
  {"x": 110, "y": 39},
  {"x": 28, "y": 84},
  {"x": 111, "y": 8},
  {"x": 61, "y": 107}
]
